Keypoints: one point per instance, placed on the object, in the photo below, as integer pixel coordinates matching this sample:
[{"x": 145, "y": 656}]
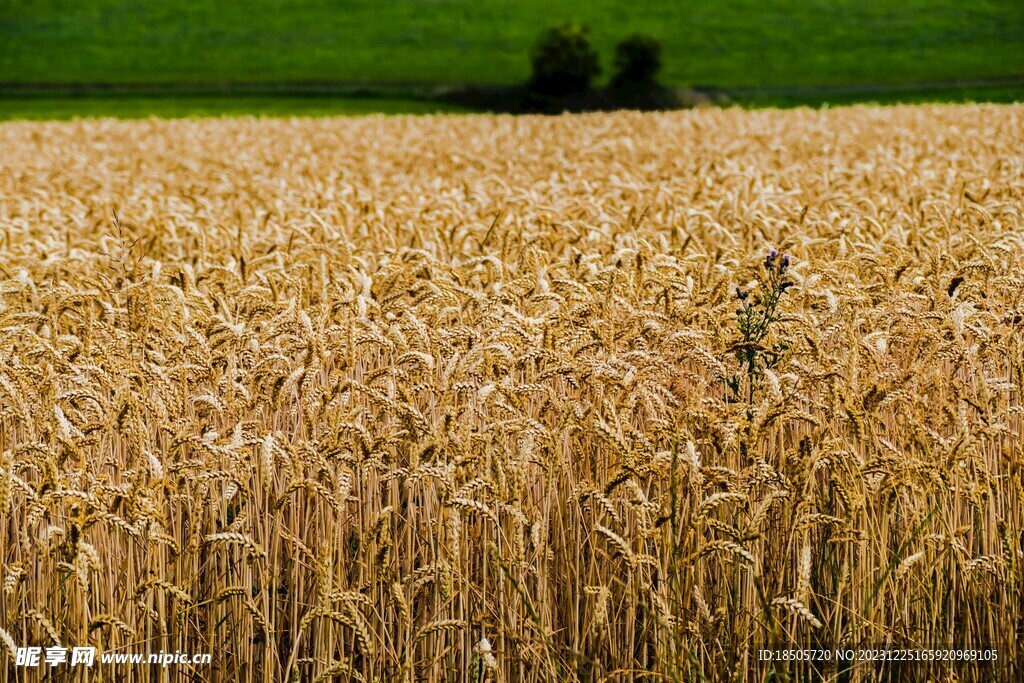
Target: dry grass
[{"x": 444, "y": 399}]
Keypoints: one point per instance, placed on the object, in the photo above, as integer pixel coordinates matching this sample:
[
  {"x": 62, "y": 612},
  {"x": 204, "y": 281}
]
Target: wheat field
[{"x": 469, "y": 399}]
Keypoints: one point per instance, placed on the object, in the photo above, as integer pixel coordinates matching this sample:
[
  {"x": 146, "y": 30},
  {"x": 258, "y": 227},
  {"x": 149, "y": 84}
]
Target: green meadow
[{"x": 734, "y": 43}]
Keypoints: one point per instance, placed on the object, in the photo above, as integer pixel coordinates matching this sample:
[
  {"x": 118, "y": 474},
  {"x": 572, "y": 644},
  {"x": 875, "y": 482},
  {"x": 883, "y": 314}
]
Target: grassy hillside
[
  {"x": 733, "y": 43},
  {"x": 46, "y": 108}
]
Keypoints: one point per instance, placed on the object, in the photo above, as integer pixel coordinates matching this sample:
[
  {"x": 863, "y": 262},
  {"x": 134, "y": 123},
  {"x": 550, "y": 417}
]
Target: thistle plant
[{"x": 758, "y": 312}]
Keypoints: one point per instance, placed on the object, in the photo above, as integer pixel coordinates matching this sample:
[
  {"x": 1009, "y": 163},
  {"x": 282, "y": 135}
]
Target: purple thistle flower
[
  {"x": 769, "y": 260},
  {"x": 784, "y": 264}
]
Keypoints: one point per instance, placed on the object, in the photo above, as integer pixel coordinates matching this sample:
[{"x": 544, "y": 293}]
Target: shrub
[{"x": 564, "y": 61}]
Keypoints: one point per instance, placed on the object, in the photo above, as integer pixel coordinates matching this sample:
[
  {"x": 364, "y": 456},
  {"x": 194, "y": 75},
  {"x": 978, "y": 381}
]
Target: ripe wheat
[{"x": 434, "y": 399}]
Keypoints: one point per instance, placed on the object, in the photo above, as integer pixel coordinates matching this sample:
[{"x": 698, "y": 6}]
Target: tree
[
  {"x": 564, "y": 62},
  {"x": 635, "y": 83},
  {"x": 637, "y": 59}
]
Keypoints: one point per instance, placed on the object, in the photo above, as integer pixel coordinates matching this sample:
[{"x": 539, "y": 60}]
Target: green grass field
[
  {"x": 140, "y": 107},
  {"x": 43, "y": 108},
  {"x": 728, "y": 43},
  {"x": 770, "y": 44}
]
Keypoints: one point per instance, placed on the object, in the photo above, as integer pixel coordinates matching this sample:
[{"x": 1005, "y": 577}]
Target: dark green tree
[
  {"x": 564, "y": 61},
  {"x": 635, "y": 81},
  {"x": 637, "y": 59}
]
